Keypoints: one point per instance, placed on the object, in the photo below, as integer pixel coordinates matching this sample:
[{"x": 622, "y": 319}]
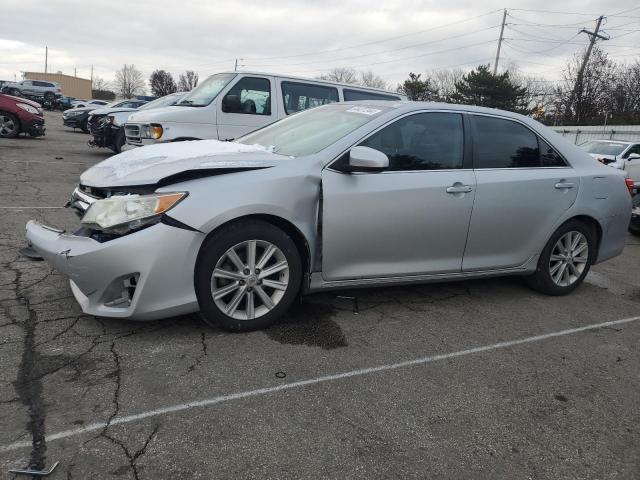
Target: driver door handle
[
  {"x": 459, "y": 189},
  {"x": 562, "y": 185}
]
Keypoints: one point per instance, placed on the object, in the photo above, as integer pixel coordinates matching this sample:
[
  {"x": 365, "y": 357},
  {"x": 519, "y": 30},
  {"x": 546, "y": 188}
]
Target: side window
[
  {"x": 504, "y": 144},
  {"x": 550, "y": 158},
  {"x": 633, "y": 149},
  {"x": 26, "y": 83},
  {"x": 424, "y": 141},
  {"x": 249, "y": 96},
  {"x": 350, "y": 95},
  {"x": 301, "y": 96}
]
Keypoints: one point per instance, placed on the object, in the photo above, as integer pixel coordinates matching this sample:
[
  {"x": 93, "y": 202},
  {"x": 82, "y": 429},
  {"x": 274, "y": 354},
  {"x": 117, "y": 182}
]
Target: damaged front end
[
  {"x": 103, "y": 131},
  {"x": 128, "y": 259}
]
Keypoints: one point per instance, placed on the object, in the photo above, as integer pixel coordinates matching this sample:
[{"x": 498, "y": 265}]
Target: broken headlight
[{"x": 121, "y": 214}]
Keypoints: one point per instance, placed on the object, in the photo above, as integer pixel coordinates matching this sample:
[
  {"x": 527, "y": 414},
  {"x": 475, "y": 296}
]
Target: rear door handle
[
  {"x": 459, "y": 189},
  {"x": 563, "y": 185}
]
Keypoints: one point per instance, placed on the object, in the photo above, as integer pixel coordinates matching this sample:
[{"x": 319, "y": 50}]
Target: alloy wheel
[
  {"x": 7, "y": 126},
  {"x": 250, "y": 279},
  {"x": 568, "y": 258}
]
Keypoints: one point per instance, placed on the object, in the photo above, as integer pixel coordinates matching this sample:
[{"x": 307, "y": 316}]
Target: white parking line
[{"x": 312, "y": 381}]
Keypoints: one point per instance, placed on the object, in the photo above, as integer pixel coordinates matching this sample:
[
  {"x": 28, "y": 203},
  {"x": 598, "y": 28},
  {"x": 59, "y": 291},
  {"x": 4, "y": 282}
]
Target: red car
[{"x": 19, "y": 115}]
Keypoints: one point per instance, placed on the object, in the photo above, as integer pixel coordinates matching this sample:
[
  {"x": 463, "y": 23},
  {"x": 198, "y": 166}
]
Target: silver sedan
[{"x": 344, "y": 195}]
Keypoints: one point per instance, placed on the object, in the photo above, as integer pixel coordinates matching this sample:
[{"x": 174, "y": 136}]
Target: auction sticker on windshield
[{"x": 364, "y": 110}]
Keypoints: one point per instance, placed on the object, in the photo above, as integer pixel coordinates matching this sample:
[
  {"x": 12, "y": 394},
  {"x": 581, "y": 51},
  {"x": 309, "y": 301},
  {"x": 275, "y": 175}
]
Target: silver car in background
[{"x": 344, "y": 195}]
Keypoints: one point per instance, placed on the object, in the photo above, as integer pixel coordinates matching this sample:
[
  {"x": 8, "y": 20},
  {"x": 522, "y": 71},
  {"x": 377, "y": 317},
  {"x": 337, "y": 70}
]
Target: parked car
[
  {"x": 19, "y": 115},
  {"x": 228, "y": 105},
  {"x": 634, "y": 224},
  {"x": 79, "y": 117},
  {"x": 343, "y": 195},
  {"x": 89, "y": 103},
  {"x": 624, "y": 155},
  {"x": 34, "y": 88},
  {"x": 106, "y": 125},
  {"x": 64, "y": 102}
]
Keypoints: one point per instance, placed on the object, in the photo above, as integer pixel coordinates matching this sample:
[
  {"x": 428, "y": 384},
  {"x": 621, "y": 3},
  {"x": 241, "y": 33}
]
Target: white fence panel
[{"x": 581, "y": 134}]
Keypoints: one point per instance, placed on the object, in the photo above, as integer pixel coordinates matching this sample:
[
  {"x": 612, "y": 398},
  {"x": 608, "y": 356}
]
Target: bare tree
[
  {"x": 444, "y": 83},
  {"x": 341, "y": 74},
  {"x": 370, "y": 79},
  {"x": 128, "y": 81},
  {"x": 100, "y": 83},
  {"x": 162, "y": 83},
  {"x": 188, "y": 81},
  {"x": 584, "y": 102}
]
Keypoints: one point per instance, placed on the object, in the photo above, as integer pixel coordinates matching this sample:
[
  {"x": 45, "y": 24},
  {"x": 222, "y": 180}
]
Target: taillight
[{"x": 630, "y": 185}]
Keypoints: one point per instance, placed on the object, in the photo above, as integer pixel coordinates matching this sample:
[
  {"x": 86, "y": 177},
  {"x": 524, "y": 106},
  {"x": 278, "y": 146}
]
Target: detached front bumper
[
  {"x": 35, "y": 128},
  {"x": 73, "y": 122},
  {"x": 145, "y": 275}
]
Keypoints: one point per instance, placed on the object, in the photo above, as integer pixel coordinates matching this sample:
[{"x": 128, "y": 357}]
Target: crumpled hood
[{"x": 151, "y": 164}]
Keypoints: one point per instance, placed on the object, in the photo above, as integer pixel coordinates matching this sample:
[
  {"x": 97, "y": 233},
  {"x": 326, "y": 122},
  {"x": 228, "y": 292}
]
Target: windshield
[
  {"x": 604, "y": 148},
  {"x": 312, "y": 130},
  {"x": 165, "y": 101},
  {"x": 204, "y": 93}
]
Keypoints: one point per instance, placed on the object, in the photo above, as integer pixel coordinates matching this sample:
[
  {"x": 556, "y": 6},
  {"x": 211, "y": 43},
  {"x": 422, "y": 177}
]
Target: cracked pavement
[{"x": 567, "y": 407}]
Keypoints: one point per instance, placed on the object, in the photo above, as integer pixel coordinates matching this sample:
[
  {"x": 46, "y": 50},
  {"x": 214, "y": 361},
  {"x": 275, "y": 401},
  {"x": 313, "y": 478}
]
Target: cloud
[{"x": 208, "y": 36}]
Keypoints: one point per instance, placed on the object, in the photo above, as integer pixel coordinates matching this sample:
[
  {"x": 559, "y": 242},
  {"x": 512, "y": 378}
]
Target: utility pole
[
  {"x": 235, "y": 68},
  {"x": 46, "y": 58},
  {"x": 495, "y": 64},
  {"x": 75, "y": 72},
  {"x": 91, "y": 76},
  {"x": 594, "y": 36}
]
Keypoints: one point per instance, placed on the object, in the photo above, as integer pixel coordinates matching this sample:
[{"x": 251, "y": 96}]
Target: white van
[{"x": 229, "y": 104}]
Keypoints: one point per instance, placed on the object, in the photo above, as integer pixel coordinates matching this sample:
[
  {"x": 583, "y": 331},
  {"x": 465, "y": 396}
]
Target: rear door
[
  {"x": 27, "y": 88},
  {"x": 523, "y": 188},
  {"x": 410, "y": 219},
  {"x": 246, "y": 106}
]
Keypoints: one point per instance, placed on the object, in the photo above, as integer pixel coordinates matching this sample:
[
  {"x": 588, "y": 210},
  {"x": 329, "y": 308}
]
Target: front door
[
  {"x": 408, "y": 220},
  {"x": 246, "y": 106},
  {"x": 523, "y": 187}
]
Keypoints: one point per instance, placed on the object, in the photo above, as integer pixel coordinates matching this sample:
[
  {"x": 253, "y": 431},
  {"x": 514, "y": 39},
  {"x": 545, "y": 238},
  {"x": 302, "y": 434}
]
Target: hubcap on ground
[
  {"x": 250, "y": 279},
  {"x": 568, "y": 258}
]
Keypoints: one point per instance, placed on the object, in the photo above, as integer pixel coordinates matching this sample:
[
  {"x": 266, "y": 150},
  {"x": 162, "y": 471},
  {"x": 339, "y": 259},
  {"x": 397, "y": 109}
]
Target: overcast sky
[{"x": 303, "y": 37}]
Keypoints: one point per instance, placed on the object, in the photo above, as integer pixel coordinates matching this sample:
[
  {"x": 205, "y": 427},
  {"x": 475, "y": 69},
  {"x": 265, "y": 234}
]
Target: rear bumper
[{"x": 145, "y": 275}]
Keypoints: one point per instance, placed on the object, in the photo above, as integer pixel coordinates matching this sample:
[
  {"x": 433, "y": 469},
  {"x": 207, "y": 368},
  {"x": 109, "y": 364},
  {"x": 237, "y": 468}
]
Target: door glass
[
  {"x": 633, "y": 149},
  {"x": 550, "y": 158},
  {"x": 425, "y": 141},
  {"x": 251, "y": 96},
  {"x": 301, "y": 96},
  {"x": 504, "y": 144}
]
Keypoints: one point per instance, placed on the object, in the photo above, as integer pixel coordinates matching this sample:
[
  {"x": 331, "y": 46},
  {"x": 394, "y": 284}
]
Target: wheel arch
[
  {"x": 591, "y": 222},
  {"x": 300, "y": 241}
]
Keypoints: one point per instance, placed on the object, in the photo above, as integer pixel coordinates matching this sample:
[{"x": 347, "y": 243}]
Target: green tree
[
  {"x": 416, "y": 89},
  {"x": 483, "y": 88}
]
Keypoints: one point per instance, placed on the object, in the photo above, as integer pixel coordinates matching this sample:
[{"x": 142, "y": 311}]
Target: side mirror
[
  {"x": 634, "y": 156},
  {"x": 367, "y": 159}
]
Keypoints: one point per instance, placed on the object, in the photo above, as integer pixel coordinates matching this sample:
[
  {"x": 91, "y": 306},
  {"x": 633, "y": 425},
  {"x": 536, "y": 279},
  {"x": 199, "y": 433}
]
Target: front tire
[
  {"x": 565, "y": 260},
  {"x": 9, "y": 125},
  {"x": 119, "y": 141},
  {"x": 247, "y": 276},
  {"x": 85, "y": 126}
]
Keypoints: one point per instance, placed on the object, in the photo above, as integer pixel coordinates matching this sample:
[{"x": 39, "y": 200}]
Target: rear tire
[
  {"x": 234, "y": 286},
  {"x": 9, "y": 125},
  {"x": 15, "y": 92},
  {"x": 49, "y": 96},
  {"x": 634, "y": 226},
  {"x": 565, "y": 260}
]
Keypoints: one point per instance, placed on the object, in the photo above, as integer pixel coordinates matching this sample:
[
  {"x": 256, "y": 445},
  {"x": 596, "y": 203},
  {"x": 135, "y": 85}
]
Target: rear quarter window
[{"x": 354, "y": 95}]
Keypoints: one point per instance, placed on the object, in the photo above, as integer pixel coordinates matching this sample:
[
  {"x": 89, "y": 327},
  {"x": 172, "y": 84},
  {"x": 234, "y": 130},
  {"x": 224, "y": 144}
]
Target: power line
[
  {"x": 333, "y": 60},
  {"x": 570, "y": 13}
]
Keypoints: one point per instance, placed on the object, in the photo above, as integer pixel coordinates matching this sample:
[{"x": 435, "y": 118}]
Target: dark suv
[{"x": 19, "y": 115}]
